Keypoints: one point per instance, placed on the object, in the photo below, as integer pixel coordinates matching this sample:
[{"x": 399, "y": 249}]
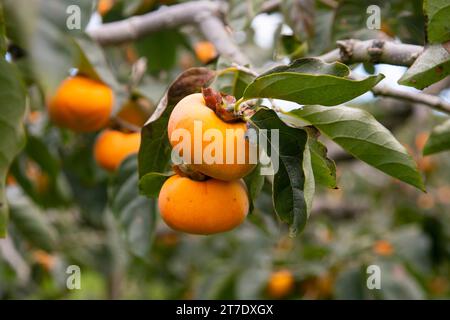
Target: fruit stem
[
  {"x": 237, "y": 105},
  {"x": 226, "y": 70},
  {"x": 223, "y": 105}
]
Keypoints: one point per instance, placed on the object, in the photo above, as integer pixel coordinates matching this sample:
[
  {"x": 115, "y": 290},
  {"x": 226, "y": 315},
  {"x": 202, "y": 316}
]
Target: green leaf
[
  {"x": 310, "y": 81},
  {"x": 324, "y": 169},
  {"x": 33, "y": 225},
  {"x": 2, "y": 33},
  {"x": 292, "y": 184},
  {"x": 357, "y": 132},
  {"x": 38, "y": 172},
  {"x": 12, "y": 106},
  {"x": 93, "y": 64},
  {"x": 300, "y": 15},
  {"x": 39, "y": 27},
  {"x": 430, "y": 67},
  {"x": 439, "y": 139},
  {"x": 399, "y": 18},
  {"x": 160, "y": 49},
  {"x": 135, "y": 213},
  {"x": 438, "y": 13},
  {"x": 151, "y": 183},
  {"x": 255, "y": 182},
  {"x": 154, "y": 153},
  {"x": 92, "y": 61}
]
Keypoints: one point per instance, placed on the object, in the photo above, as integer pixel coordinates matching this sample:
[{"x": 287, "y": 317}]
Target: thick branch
[
  {"x": 165, "y": 18},
  {"x": 205, "y": 14},
  {"x": 375, "y": 51},
  {"x": 214, "y": 30}
]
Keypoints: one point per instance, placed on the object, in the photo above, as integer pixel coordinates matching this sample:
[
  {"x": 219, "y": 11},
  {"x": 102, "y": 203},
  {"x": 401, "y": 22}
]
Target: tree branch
[
  {"x": 381, "y": 51},
  {"x": 429, "y": 100},
  {"x": 165, "y": 18},
  {"x": 214, "y": 30},
  {"x": 375, "y": 51},
  {"x": 205, "y": 14}
]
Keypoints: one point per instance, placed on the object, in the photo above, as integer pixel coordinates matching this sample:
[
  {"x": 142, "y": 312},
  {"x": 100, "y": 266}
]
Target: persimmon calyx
[
  {"x": 221, "y": 104},
  {"x": 185, "y": 170}
]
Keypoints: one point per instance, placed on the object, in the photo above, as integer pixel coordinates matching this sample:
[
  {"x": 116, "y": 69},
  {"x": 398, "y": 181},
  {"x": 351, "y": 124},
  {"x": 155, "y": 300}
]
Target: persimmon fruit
[
  {"x": 383, "y": 248},
  {"x": 203, "y": 207},
  {"x": 280, "y": 284},
  {"x": 104, "y": 6},
  {"x": 188, "y": 115},
  {"x": 112, "y": 147},
  {"x": 205, "y": 51},
  {"x": 81, "y": 104}
]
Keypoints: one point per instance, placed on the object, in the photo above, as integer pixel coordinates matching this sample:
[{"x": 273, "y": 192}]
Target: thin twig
[
  {"x": 245, "y": 69},
  {"x": 214, "y": 30},
  {"x": 429, "y": 100}
]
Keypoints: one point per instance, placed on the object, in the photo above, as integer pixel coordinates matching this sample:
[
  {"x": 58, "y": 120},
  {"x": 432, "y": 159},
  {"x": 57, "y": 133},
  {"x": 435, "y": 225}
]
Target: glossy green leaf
[
  {"x": 154, "y": 153},
  {"x": 357, "y": 132},
  {"x": 324, "y": 168},
  {"x": 33, "y": 225},
  {"x": 42, "y": 30},
  {"x": 12, "y": 106},
  {"x": 293, "y": 183},
  {"x": 439, "y": 139},
  {"x": 438, "y": 14},
  {"x": 150, "y": 184},
  {"x": 160, "y": 49},
  {"x": 310, "y": 81},
  {"x": 92, "y": 63},
  {"x": 255, "y": 182},
  {"x": 430, "y": 67}
]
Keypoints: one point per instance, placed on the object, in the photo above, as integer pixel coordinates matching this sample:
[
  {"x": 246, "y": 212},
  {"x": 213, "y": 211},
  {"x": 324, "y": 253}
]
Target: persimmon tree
[{"x": 135, "y": 51}]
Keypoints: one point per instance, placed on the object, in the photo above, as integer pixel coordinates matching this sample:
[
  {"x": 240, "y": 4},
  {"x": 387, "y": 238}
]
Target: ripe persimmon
[
  {"x": 205, "y": 51},
  {"x": 203, "y": 207},
  {"x": 112, "y": 147},
  {"x": 281, "y": 283},
  {"x": 383, "y": 248},
  {"x": 104, "y": 6},
  {"x": 46, "y": 260},
  {"x": 81, "y": 104},
  {"x": 192, "y": 116}
]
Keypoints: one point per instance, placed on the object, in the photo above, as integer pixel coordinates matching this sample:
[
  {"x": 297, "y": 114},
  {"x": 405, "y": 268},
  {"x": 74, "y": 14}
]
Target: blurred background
[{"x": 65, "y": 210}]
